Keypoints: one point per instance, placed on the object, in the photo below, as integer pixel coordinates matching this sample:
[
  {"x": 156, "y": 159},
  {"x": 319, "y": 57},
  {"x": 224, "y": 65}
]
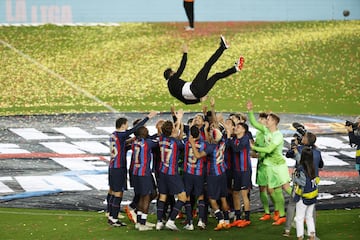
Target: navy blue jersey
[
  {"x": 170, "y": 153},
  {"x": 240, "y": 148},
  {"x": 192, "y": 165},
  {"x": 142, "y": 156},
  {"x": 118, "y": 145},
  {"x": 156, "y": 155},
  {"x": 216, "y": 164}
]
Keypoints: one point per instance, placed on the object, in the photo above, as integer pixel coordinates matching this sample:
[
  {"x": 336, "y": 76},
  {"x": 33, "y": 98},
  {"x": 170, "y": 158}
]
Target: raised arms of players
[
  {"x": 196, "y": 152},
  {"x": 252, "y": 118}
]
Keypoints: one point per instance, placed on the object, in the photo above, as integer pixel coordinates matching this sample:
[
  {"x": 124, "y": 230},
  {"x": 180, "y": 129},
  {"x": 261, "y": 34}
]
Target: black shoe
[
  {"x": 223, "y": 42},
  {"x": 117, "y": 223}
]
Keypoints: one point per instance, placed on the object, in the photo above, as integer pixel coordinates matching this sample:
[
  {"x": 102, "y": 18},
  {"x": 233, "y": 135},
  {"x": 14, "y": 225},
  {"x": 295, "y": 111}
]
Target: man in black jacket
[
  {"x": 194, "y": 92},
  {"x": 354, "y": 137}
]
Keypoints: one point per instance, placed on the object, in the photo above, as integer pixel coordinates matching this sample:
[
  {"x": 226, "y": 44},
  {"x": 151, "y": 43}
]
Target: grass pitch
[
  {"x": 60, "y": 224},
  {"x": 290, "y": 67}
]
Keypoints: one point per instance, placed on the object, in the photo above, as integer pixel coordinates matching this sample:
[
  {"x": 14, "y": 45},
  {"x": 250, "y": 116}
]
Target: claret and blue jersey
[{"x": 170, "y": 153}]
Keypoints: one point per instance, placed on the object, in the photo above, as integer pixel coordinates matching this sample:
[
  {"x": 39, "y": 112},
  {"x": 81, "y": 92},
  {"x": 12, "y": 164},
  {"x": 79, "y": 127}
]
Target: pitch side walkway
[{"x": 60, "y": 161}]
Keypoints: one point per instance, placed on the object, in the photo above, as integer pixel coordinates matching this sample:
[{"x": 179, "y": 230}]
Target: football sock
[
  {"x": 247, "y": 215},
  {"x": 135, "y": 200},
  {"x": 276, "y": 208},
  {"x": 238, "y": 214},
  {"x": 201, "y": 206},
  {"x": 176, "y": 209},
  {"x": 265, "y": 202},
  {"x": 138, "y": 216},
  {"x": 116, "y": 207},
  {"x": 280, "y": 201},
  {"x": 109, "y": 199},
  {"x": 226, "y": 215},
  {"x": 219, "y": 215},
  {"x": 143, "y": 218},
  {"x": 188, "y": 211},
  {"x": 160, "y": 210}
]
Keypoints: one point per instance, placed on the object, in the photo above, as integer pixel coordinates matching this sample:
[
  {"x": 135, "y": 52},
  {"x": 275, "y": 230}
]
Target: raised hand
[
  {"x": 179, "y": 114},
  {"x": 249, "y": 105},
  {"x": 212, "y": 102},
  {"x": 152, "y": 114}
]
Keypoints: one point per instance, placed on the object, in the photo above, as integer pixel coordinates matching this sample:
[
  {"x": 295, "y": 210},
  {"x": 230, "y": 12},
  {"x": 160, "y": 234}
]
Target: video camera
[
  {"x": 354, "y": 125},
  {"x": 298, "y": 135},
  {"x": 300, "y": 131}
]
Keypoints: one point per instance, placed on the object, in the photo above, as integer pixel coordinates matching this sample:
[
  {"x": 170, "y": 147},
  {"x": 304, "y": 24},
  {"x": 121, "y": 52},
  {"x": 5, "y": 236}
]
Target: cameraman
[
  {"x": 354, "y": 138},
  {"x": 308, "y": 140}
]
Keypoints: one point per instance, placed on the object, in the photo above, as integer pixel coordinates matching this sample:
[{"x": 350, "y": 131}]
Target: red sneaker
[
  {"x": 194, "y": 213},
  {"x": 180, "y": 216},
  {"x": 222, "y": 226},
  {"x": 276, "y": 216},
  {"x": 265, "y": 217},
  {"x": 280, "y": 221},
  {"x": 235, "y": 223},
  {"x": 244, "y": 223},
  {"x": 129, "y": 214},
  {"x": 227, "y": 225},
  {"x": 240, "y": 63}
]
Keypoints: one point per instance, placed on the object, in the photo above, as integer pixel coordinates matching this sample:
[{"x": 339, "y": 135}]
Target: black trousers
[
  {"x": 201, "y": 85},
  {"x": 189, "y": 10}
]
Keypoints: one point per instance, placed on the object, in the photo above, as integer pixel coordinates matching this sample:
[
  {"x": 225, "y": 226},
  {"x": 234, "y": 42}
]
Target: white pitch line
[{"x": 58, "y": 76}]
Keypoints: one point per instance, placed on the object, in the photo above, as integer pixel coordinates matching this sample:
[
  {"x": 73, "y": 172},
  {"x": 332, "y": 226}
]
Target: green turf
[
  {"x": 290, "y": 67},
  {"x": 61, "y": 224}
]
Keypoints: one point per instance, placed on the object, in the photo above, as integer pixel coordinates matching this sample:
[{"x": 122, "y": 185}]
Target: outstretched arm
[
  {"x": 252, "y": 118},
  {"x": 149, "y": 116},
  {"x": 182, "y": 63},
  {"x": 178, "y": 124},
  {"x": 268, "y": 149},
  {"x": 213, "y": 114},
  {"x": 172, "y": 110}
]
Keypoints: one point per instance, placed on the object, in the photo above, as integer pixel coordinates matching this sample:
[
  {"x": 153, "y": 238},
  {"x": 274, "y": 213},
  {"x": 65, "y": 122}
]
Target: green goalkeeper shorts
[
  {"x": 261, "y": 175},
  {"x": 277, "y": 175}
]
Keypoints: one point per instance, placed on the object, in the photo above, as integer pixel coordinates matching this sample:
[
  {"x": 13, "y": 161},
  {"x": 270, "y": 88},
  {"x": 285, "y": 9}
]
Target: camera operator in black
[
  {"x": 354, "y": 138},
  {"x": 302, "y": 139}
]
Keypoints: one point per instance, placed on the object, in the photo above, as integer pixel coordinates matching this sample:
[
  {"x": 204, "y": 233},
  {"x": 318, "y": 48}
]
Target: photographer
[
  {"x": 298, "y": 143},
  {"x": 354, "y": 138},
  {"x": 302, "y": 138}
]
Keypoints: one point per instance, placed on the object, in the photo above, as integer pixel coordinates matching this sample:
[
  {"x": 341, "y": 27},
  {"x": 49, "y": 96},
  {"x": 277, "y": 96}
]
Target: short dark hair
[
  {"x": 311, "y": 138},
  {"x": 236, "y": 115},
  {"x": 120, "y": 121},
  {"x": 263, "y": 115},
  {"x": 232, "y": 122},
  {"x": 167, "y": 128},
  {"x": 142, "y": 132},
  {"x": 136, "y": 121},
  {"x": 167, "y": 73},
  {"x": 245, "y": 126},
  {"x": 194, "y": 131},
  {"x": 275, "y": 117}
]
